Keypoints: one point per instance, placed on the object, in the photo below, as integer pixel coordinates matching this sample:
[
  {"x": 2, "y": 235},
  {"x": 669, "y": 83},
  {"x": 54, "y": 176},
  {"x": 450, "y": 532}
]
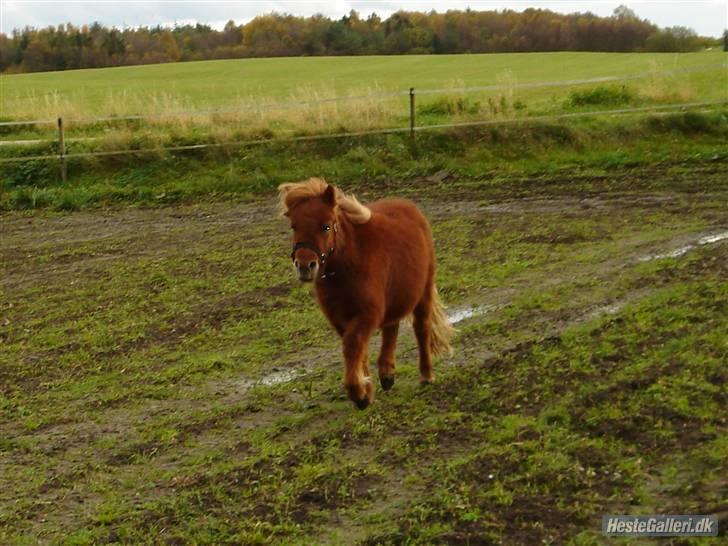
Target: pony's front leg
[
  {"x": 386, "y": 363},
  {"x": 357, "y": 381}
]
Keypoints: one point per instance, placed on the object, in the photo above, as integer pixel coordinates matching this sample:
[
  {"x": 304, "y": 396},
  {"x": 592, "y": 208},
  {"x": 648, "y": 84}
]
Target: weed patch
[{"x": 602, "y": 96}]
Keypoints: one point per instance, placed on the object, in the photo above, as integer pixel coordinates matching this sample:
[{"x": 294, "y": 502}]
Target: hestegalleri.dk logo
[{"x": 660, "y": 526}]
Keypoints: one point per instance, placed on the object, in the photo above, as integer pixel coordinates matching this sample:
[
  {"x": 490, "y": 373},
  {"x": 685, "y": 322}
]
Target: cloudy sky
[{"x": 707, "y": 17}]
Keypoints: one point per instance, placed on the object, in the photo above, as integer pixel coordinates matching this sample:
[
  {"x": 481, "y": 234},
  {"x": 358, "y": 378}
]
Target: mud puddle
[
  {"x": 463, "y": 313},
  {"x": 681, "y": 251}
]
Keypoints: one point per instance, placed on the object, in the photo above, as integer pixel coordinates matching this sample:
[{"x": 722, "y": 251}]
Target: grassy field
[
  {"x": 228, "y": 83},
  {"x": 164, "y": 380}
]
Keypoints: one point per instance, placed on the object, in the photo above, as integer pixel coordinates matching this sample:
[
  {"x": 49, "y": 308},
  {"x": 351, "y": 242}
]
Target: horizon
[{"x": 705, "y": 22}]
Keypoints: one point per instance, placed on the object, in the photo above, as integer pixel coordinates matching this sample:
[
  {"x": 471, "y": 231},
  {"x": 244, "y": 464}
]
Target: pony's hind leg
[
  {"x": 386, "y": 361},
  {"x": 422, "y": 325}
]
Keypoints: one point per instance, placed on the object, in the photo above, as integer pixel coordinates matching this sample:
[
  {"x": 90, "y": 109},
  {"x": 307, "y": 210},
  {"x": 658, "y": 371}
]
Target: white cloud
[{"x": 709, "y": 17}]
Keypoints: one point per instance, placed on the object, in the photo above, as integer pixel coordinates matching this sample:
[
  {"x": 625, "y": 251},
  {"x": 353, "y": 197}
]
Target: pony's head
[{"x": 314, "y": 208}]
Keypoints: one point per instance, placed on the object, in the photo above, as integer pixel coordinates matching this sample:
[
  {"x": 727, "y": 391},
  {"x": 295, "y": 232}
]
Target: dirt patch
[{"x": 45, "y": 247}]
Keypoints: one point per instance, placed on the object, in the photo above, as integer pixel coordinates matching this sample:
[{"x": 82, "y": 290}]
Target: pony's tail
[{"x": 442, "y": 330}]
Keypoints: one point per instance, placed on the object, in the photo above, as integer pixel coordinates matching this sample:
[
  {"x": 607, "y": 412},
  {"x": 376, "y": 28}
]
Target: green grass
[
  {"x": 134, "y": 343},
  {"x": 222, "y": 83}
]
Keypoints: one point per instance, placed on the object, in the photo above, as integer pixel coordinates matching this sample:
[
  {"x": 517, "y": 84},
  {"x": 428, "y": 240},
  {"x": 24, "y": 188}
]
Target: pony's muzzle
[{"x": 305, "y": 268}]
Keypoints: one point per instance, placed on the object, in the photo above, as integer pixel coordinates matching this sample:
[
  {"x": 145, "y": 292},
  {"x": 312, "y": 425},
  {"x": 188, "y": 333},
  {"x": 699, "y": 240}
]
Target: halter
[{"x": 322, "y": 256}]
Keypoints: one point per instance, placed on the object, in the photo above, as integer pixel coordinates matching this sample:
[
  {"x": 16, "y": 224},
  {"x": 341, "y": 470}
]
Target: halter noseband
[{"x": 322, "y": 256}]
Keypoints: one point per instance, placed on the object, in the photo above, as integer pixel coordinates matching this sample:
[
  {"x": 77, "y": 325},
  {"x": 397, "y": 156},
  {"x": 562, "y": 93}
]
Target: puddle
[
  {"x": 611, "y": 309},
  {"x": 277, "y": 377},
  {"x": 460, "y": 315},
  {"x": 709, "y": 239},
  {"x": 706, "y": 240},
  {"x": 283, "y": 376}
]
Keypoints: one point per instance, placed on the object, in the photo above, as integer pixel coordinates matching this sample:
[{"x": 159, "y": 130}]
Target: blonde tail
[{"x": 442, "y": 330}]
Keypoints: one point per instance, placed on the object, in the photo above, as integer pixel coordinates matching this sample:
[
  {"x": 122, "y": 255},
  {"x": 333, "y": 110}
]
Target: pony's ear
[{"x": 329, "y": 195}]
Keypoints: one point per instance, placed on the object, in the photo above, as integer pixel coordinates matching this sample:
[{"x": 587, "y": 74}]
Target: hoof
[
  {"x": 361, "y": 395},
  {"x": 425, "y": 381},
  {"x": 362, "y": 404},
  {"x": 387, "y": 382}
]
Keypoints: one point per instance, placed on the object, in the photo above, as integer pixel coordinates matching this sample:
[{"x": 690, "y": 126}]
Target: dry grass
[
  {"x": 173, "y": 122},
  {"x": 664, "y": 88},
  {"x": 170, "y": 119},
  {"x": 667, "y": 90},
  {"x": 318, "y": 109}
]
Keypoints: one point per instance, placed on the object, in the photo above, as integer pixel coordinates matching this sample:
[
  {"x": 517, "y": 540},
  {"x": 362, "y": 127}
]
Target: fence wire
[{"x": 659, "y": 110}]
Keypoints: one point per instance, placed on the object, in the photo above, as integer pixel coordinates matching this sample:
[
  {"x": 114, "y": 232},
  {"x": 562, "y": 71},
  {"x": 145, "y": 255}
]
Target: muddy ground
[{"x": 163, "y": 379}]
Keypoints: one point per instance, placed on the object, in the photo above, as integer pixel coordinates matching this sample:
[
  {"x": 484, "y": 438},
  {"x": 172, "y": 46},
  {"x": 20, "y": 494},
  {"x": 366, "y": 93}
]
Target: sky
[{"x": 707, "y": 17}]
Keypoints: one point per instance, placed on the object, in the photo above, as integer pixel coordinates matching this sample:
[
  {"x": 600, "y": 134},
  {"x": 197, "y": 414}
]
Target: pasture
[
  {"x": 165, "y": 380},
  {"x": 229, "y": 83}
]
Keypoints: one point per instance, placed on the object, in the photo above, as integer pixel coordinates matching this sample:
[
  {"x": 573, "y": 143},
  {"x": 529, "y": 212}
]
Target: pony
[{"x": 371, "y": 267}]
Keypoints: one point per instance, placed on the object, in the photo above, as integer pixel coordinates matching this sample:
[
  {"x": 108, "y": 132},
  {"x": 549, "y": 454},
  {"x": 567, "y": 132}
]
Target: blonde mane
[{"x": 291, "y": 193}]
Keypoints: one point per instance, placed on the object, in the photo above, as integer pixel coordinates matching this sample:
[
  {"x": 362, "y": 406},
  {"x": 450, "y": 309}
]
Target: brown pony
[{"x": 372, "y": 267}]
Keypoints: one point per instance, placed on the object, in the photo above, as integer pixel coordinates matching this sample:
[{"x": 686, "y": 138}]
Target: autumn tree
[{"x": 90, "y": 46}]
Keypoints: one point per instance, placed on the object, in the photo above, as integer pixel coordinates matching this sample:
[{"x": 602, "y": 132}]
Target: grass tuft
[{"x": 602, "y": 96}]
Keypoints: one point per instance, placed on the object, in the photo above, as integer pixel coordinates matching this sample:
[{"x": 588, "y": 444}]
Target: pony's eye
[
  {"x": 325, "y": 227},
  {"x": 293, "y": 227}
]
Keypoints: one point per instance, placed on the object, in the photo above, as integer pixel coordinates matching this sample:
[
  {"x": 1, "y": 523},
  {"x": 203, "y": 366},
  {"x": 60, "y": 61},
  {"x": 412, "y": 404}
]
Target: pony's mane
[{"x": 292, "y": 193}]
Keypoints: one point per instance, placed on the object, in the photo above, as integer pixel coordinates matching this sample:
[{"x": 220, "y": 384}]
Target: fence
[{"x": 62, "y": 156}]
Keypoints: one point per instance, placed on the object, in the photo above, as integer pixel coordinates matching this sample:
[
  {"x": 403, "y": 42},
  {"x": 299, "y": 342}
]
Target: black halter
[{"x": 322, "y": 256}]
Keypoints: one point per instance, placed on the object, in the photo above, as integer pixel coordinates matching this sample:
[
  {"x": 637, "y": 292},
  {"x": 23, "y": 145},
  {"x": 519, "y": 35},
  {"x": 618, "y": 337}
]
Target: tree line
[{"x": 66, "y": 47}]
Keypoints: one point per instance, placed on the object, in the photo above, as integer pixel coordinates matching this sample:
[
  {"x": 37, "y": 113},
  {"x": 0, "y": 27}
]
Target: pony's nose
[{"x": 299, "y": 265}]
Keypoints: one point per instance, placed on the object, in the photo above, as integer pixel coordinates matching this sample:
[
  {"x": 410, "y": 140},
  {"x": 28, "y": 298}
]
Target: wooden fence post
[
  {"x": 412, "y": 112},
  {"x": 62, "y": 150}
]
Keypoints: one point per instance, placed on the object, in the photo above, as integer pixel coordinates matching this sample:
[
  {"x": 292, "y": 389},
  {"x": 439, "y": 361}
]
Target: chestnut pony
[{"x": 371, "y": 266}]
